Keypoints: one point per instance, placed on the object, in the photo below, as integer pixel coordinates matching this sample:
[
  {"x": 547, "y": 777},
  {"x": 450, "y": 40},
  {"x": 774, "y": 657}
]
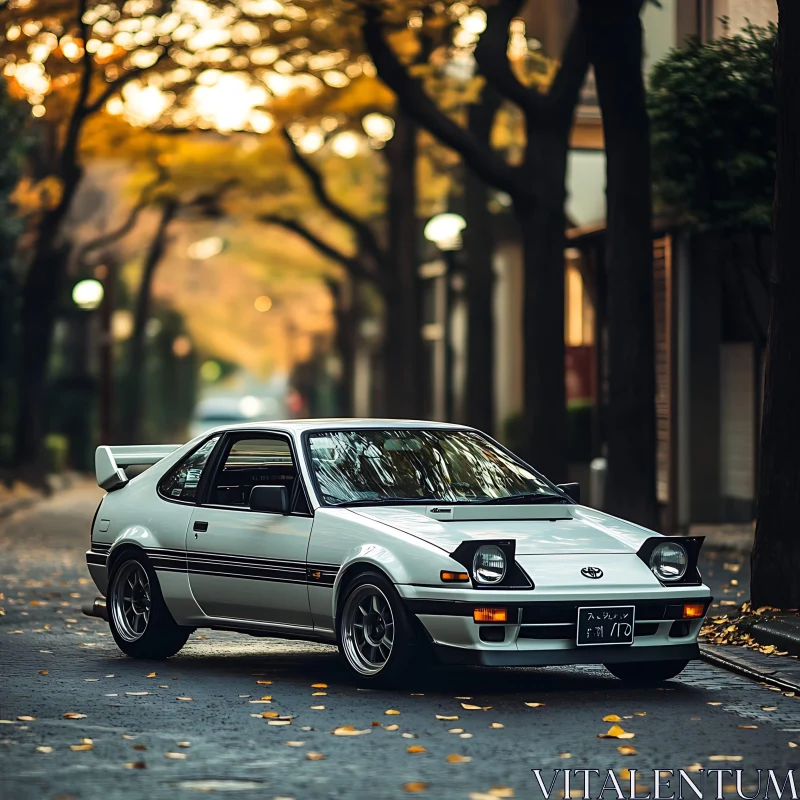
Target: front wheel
[
  {"x": 646, "y": 671},
  {"x": 139, "y": 619},
  {"x": 375, "y": 633}
]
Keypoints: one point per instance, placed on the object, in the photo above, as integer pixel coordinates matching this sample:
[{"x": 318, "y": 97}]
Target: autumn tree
[
  {"x": 615, "y": 40},
  {"x": 776, "y": 550},
  {"x": 537, "y": 190},
  {"x": 72, "y": 60},
  {"x": 12, "y": 146}
]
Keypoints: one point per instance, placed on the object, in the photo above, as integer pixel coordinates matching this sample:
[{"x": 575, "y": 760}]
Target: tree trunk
[
  {"x": 345, "y": 316},
  {"x": 41, "y": 294},
  {"x": 137, "y": 372},
  {"x": 478, "y": 252},
  {"x": 776, "y": 550},
  {"x": 542, "y": 228},
  {"x": 615, "y": 49},
  {"x": 403, "y": 342}
]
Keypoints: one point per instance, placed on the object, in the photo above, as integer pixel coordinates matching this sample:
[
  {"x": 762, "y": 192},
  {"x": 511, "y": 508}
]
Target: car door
[{"x": 244, "y": 564}]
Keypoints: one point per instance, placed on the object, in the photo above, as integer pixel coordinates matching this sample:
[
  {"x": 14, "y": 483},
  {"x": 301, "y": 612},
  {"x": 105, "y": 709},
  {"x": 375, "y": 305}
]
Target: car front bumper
[{"x": 542, "y": 630}]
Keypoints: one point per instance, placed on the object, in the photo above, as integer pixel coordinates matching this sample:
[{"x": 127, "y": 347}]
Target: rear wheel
[
  {"x": 646, "y": 671},
  {"x": 375, "y": 633},
  {"x": 139, "y": 619}
]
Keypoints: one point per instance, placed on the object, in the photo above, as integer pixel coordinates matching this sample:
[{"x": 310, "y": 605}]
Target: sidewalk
[{"x": 20, "y": 495}]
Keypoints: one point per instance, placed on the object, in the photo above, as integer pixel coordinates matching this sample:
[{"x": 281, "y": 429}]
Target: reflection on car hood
[{"x": 538, "y": 529}]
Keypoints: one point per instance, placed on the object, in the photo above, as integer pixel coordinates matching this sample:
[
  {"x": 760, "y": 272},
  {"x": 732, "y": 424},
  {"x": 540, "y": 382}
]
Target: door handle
[{"x": 199, "y": 526}]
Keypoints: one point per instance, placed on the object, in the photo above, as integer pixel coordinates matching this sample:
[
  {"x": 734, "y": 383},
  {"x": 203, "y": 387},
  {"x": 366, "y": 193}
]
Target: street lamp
[
  {"x": 88, "y": 294},
  {"x": 444, "y": 230}
]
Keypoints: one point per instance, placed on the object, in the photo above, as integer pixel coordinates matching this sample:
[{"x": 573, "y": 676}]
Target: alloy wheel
[
  {"x": 131, "y": 601},
  {"x": 367, "y": 629}
]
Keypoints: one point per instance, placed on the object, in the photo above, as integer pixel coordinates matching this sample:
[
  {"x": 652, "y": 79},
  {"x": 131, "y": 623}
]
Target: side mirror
[
  {"x": 274, "y": 499},
  {"x": 571, "y": 490}
]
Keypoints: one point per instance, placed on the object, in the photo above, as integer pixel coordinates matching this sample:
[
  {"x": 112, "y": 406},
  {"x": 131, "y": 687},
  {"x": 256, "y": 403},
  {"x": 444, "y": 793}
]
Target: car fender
[{"x": 387, "y": 561}]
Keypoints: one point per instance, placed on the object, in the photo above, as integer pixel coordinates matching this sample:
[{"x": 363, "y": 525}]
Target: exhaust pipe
[{"x": 97, "y": 608}]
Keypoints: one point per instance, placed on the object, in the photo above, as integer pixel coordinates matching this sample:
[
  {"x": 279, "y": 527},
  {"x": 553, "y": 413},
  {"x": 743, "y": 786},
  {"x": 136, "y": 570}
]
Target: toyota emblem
[{"x": 592, "y": 572}]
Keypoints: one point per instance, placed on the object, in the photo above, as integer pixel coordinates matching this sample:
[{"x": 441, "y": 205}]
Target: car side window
[
  {"x": 180, "y": 483},
  {"x": 252, "y": 462}
]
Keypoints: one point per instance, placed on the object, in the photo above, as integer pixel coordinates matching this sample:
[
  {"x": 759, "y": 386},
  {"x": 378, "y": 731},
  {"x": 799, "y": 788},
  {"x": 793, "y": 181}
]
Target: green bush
[
  {"x": 713, "y": 116},
  {"x": 57, "y": 450}
]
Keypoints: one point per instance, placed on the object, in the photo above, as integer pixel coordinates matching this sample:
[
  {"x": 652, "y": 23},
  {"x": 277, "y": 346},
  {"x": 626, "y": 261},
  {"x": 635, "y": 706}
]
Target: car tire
[
  {"x": 646, "y": 671},
  {"x": 377, "y": 637},
  {"x": 138, "y": 617}
]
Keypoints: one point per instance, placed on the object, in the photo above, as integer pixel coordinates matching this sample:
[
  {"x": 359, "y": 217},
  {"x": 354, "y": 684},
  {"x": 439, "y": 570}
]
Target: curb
[{"x": 752, "y": 665}]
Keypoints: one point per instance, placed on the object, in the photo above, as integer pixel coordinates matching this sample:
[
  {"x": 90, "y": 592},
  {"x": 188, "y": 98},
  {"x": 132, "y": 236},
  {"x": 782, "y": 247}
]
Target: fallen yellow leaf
[
  {"x": 469, "y": 707},
  {"x": 295, "y": 744},
  {"x": 565, "y": 755},
  {"x": 714, "y": 704},
  {"x": 319, "y": 694},
  {"x": 455, "y": 758},
  {"x": 391, "y": 711},
  {"x": 390, "y": 727},
  {"x": 792, "y": 744},
  {"x": 612, "y": 718},
  {"x": 415, "y": 786},
  {"x": 615, "y": 732},
  {"x": 150, "y": 675},
  {"x": 319, "y": 685},
  {"x": 175, "y": 755},
  {"x": 264, "y": 683},
  {"x": 25, "y": 718},
  {"x": 43, "y": 748},
  {"x": 317, "y": 708},
  {"x": 497, "y": 725},
  {"x": 74, "y": 715},
  {"x": 440, "y": 716},
  {"x": 77, "y": 747},
  {"x": 627, "y": 750},
  {"x": 314, "y": 756},
  {"x": 349, "y": 730},
  {"x": 534, "y": 705},
  {"x": 184, "y": 744},
  {"x": 279, "y": 722},
  {"x": 184, "y": 698},
  {"x": 44, "y": 672},
  {"x": 269, "y": 714},
  {"x": 769, "y": 708},
  {"x": 749, "y": 727},
  {"x": 725, "y": 758},
  {"x": 416, "y": 748}
]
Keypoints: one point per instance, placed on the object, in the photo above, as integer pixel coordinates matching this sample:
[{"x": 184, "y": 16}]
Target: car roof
[{"x": 342, "y": 423}]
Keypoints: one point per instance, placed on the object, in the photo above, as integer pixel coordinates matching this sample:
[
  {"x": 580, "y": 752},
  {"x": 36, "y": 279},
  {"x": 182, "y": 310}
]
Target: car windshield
[{"x": 369, "y": 467}]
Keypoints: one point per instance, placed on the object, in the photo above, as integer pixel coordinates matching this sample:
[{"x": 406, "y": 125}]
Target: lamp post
[
  {"x": 92, "y": 294},
  {"x": 444, "y": 230}
]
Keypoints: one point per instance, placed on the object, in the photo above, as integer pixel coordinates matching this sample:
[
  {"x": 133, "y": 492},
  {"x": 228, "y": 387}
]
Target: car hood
[{"x": 538, "y": 530}]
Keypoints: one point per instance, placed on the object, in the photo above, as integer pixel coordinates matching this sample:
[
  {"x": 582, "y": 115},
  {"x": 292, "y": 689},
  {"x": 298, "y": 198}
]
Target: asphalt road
[{"x": 189, "y": 725}]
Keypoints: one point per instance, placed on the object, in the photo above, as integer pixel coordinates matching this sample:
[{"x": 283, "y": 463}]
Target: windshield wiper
[
  {"x": 384, "y": 501},
  {"x": 529, "y": 499}
]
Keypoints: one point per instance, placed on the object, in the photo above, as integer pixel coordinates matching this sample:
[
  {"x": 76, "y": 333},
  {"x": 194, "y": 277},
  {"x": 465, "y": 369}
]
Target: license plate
[{"x": 606, "y": 625}]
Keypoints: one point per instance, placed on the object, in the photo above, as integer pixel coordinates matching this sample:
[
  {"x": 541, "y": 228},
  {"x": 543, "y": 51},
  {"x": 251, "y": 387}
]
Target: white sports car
[{"x": 395, "y": 540}]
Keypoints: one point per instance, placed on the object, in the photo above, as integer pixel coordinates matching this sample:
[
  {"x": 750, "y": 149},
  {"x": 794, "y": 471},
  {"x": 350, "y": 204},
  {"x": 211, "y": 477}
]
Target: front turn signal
[
  {"x": 693, "y": 610},
  {"x": 453, "y": 577},
  {"x": 490, "y": 615}
]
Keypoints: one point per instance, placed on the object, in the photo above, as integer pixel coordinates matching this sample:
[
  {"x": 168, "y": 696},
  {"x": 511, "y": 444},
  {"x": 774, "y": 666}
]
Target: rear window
[{"x": 181, "y": 482}]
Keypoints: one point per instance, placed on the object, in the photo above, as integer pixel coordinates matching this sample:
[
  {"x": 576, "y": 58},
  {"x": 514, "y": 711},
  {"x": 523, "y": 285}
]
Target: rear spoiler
[{"x": 109, "y": 461}]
